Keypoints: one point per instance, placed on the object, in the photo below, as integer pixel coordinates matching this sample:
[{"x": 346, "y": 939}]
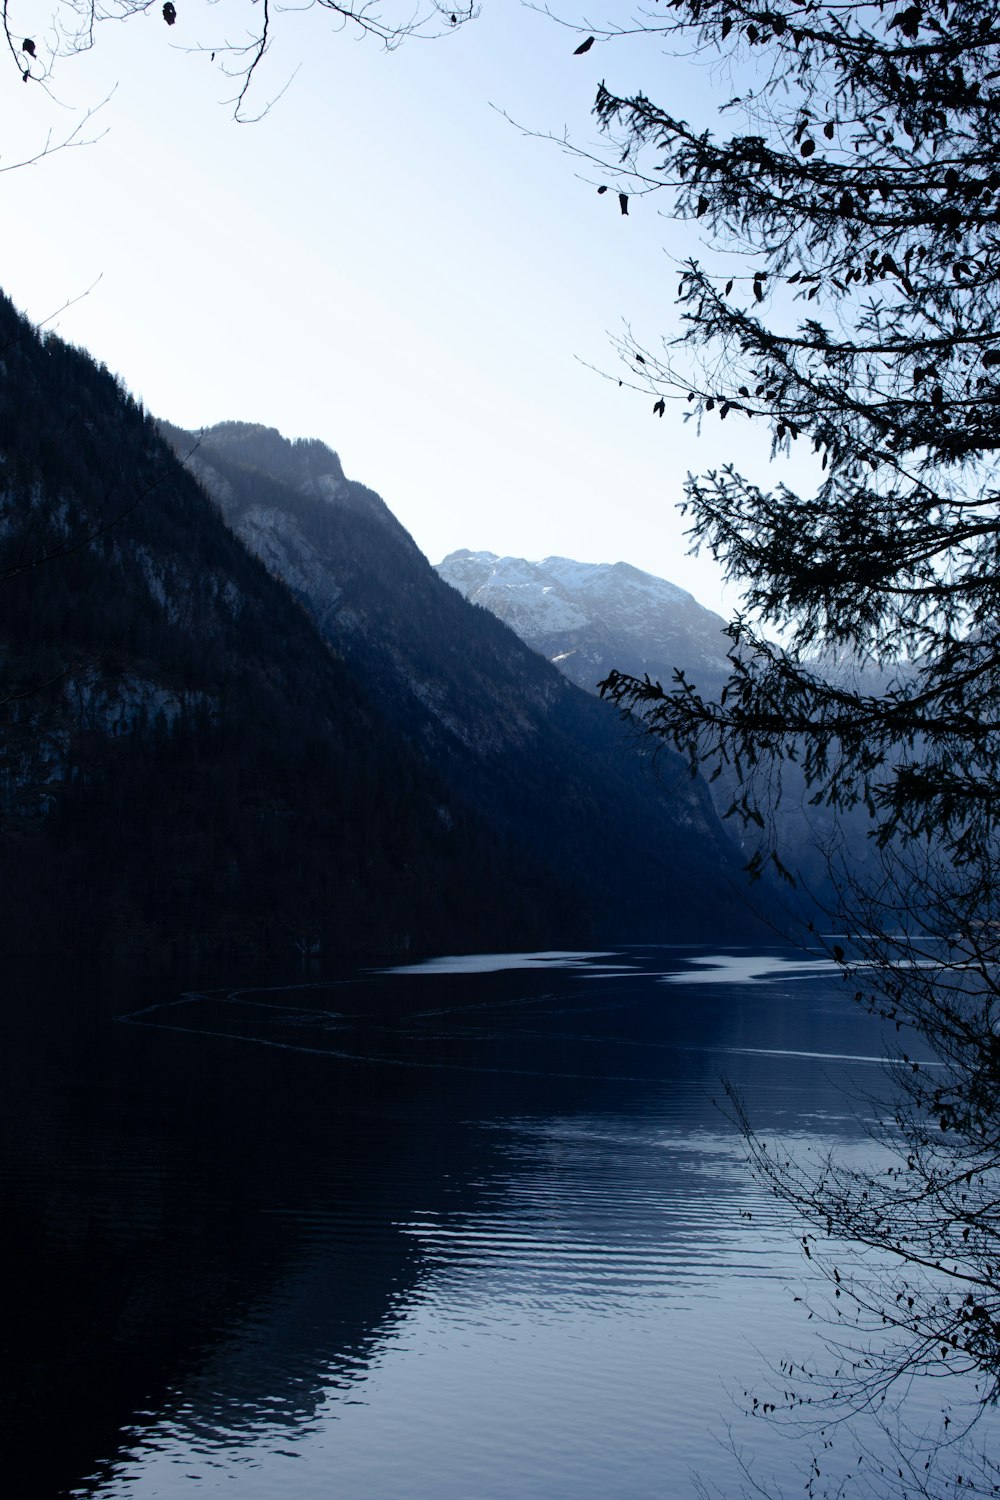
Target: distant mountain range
[
  {"x": 242, "y": 717},
  {"x": 589, "y": 617},
  {"x": 555, "y": 775}
]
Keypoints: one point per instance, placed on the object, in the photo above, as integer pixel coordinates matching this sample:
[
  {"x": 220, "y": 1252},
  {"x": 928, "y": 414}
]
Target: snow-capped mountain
[{"x": 590, "y": 617}]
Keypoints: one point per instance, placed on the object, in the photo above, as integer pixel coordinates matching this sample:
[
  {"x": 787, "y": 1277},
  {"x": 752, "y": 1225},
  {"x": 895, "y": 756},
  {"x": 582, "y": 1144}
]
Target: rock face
[{"x": 589, "y": 617}]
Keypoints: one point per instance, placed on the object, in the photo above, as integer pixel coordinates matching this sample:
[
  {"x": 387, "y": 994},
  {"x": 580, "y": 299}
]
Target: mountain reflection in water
[{"x": 474, "y": 1228}]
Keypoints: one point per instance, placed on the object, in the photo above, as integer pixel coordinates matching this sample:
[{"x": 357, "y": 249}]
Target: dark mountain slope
[
  {"x": 543, "y": 761},
  {"x": 185, "y": 768}
]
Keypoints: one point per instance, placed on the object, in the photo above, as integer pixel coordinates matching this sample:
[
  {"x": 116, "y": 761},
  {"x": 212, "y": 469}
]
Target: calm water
[{"x": 435, "y": 1234}]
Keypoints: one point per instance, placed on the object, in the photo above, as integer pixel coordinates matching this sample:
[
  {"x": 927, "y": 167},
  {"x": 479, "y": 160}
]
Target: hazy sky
[{"x": 383, "y": 262}]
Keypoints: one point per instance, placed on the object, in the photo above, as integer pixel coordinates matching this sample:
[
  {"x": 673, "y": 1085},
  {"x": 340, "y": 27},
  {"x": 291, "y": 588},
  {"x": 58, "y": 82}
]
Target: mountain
[
  {"x": 551, "y": 769},
  {"x": 187, "y": 772},
  {"x": 251, "y": 723},
  {"x": 590, "y": 617}
]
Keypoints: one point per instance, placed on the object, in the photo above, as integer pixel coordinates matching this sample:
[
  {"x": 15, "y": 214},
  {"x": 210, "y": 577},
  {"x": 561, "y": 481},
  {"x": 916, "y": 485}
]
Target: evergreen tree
[{"x": 847, "y": 298}]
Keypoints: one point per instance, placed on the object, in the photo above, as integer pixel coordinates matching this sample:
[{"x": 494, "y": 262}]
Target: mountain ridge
[
  {"x": 591, "y": 617},
  {"x": 503, "y": 728},
  {"x": 188, "y": 774},
  {"x": 256, "y": 724}
]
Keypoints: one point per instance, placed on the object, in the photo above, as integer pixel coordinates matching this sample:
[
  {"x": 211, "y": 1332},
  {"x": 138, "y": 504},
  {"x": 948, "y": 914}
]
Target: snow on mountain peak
[
  {"x": 556, "y": 587},
  {"x": 588, "y": 617}
]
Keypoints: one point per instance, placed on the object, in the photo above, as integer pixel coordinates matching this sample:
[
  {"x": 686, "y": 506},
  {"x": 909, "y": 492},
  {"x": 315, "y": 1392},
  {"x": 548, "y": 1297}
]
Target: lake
[{"x": 475, "y": 1228}]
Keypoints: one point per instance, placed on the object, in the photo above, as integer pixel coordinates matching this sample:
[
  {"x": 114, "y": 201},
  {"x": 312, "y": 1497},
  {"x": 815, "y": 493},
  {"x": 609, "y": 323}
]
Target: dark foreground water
[{"x": 465, "y": 1232}]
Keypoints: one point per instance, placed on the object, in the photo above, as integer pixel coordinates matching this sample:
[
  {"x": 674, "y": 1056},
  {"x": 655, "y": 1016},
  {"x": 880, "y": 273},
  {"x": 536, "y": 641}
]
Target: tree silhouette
[
  {"x": 74, "y": 27},
  {"x": 847, "y": 297}
]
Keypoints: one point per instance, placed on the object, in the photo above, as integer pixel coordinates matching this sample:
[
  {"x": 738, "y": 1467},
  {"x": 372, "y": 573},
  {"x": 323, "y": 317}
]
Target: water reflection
[
  {"x": 745, "y": 968},
  {"x": 503, "y": 963},
  {"x": 417, "y": 1234}
]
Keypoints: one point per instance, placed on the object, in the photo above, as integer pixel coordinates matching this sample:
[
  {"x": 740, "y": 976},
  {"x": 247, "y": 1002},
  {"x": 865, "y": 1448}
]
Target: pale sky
[{"x": 383, "y": 262}]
